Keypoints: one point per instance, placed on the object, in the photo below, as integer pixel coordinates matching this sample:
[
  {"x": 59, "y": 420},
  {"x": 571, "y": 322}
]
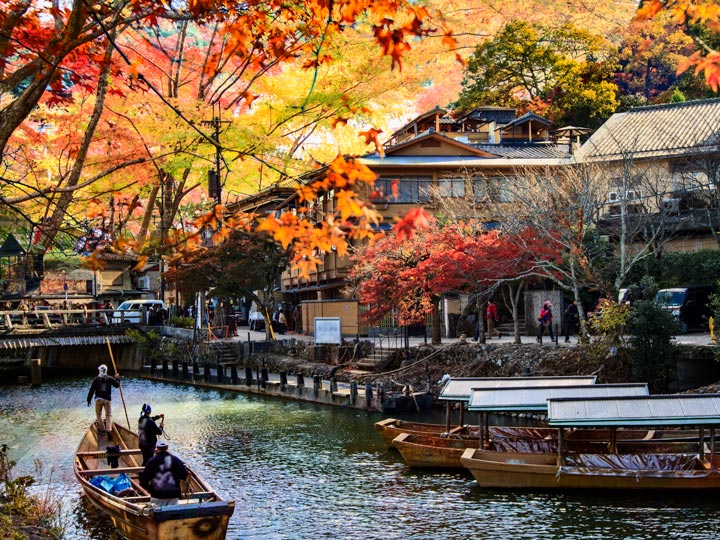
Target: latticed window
[
  {"x": 410, "y": 189},
  {"x": 451, "y": 187}
]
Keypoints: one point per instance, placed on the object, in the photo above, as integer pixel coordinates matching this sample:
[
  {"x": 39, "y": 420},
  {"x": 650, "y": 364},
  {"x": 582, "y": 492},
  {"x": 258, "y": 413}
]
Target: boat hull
[
  {"x": 541, "y": 471},
  {"x": 200, "y": 513},
  {"x": 428, "y": 451},
  {"x": 390, "y": 428}
]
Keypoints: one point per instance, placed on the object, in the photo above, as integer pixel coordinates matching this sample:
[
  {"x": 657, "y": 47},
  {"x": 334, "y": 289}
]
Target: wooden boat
[
  {"x": 425, "y": 450},
  {"x": 431, "y": 451},
  {"x": 647, "y": 464},
  {"x": 390, "y": 428},
  {"x": 200, "y": 512}
]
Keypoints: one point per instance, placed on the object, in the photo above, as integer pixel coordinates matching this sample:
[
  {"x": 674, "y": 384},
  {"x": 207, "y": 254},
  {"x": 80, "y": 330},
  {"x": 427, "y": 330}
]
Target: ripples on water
[{"x": 298, "y": 471}]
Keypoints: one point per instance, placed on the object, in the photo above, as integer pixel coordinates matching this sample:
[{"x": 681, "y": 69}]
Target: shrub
[{"x": 651, "y": 329}]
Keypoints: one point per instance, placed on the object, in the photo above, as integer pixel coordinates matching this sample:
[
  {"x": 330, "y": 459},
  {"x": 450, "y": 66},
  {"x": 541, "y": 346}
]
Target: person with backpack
[
  {"x": 101, "y": 388},
  {"x": 545, "y": 319}
]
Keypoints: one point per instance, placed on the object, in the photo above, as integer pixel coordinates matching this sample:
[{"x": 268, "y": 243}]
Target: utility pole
[
  {"x": 214, "y": 178},
  {"x": 162, "y": 236}
]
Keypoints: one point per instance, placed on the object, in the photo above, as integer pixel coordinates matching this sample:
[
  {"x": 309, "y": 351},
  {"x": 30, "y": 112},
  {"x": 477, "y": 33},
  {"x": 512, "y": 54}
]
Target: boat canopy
[
  {"x": 536, "y": 399},
  {"x": 460, "y": 388},
  {"x": 656, "y": 411}
]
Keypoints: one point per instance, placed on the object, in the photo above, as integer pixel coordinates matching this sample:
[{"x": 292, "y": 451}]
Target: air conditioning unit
[
  {"x": 144, "y": 283},
  {"x": 671, "y": 206}
]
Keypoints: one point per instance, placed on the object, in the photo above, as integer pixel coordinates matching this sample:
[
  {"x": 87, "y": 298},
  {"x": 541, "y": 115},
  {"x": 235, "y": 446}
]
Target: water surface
[{"x": 301, "y": 471}]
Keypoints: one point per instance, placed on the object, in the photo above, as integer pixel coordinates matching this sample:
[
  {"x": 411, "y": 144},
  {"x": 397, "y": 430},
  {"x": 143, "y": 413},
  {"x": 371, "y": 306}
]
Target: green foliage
[
  {"x": 148, "y": 343},
  {"x": 680, "y": 268},
  {"x": 182, "y": 322},
  {"x": 564, "y": 73},
  {"x": 651, "y": 329},
  {"x": 610, "y": 323},
  {"x": 677, "y": 96}
]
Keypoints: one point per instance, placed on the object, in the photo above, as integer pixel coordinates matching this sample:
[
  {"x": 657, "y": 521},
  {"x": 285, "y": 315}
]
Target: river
[{"x": 299, "y": 471}]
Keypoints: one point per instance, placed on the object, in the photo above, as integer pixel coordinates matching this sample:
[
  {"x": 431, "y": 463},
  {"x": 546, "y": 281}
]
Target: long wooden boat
[
  {"x": 647, "y": 464},
  {"x": 390, "y": 428},
  {"x": 426, "y": 450},
  {"x": 200, "y": 512}
]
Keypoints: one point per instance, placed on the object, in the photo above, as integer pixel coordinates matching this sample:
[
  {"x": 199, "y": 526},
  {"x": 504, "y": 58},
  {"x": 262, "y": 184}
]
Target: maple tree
[
  {"x": 404, "y": 276},
  {"x": 649, "y": 54},
  {"x": 484, "y": 260},
  {"x": 248, "y": 264},
  {"x": 185, "y": 64},
  {"x": 701, "y": 16}
]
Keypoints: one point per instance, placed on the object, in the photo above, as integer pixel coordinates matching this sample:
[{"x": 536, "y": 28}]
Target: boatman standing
[
  {"x": 101, "y": 388},
  {"x": 148, "y": 432},
  {"x": 162, "y": 476}
]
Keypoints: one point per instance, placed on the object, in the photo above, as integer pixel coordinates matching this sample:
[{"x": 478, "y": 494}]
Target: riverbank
[
  {"x": 25, "y": 515},
  {"x": 422, "y": 367}
]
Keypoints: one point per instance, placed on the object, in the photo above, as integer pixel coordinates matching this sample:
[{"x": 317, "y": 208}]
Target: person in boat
[
  {"x": 148, "y": 431},
  {"x": 101, "y": 388},
  {"x": 162, "y": 476}
]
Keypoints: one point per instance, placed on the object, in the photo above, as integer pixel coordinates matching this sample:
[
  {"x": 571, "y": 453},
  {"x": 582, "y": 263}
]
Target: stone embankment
[{"x": 423, "y": 367}]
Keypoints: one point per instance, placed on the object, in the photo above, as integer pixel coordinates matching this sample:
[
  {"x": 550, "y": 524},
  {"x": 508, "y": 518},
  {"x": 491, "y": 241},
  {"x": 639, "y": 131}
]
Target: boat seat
[
  {"x": 198, "y": 495},
  {"x": 119, "y": 470}
]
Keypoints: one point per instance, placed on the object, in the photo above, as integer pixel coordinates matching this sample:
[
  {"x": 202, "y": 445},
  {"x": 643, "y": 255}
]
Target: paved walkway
[{"x": 244, "y": 334}]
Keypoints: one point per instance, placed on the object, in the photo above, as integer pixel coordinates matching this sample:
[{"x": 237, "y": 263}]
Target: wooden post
[
  {"x": 35, "y": 375},
  {"x": 561, "y": 443},
  {"x": 447, "y": 417}
]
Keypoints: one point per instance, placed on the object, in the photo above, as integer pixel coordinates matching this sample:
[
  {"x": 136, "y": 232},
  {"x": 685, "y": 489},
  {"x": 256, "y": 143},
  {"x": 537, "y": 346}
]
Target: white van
[{"x": 131, "y": 311}]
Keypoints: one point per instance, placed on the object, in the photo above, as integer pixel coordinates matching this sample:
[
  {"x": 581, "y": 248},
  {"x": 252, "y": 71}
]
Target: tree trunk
[{"x": 435, "y": 316}]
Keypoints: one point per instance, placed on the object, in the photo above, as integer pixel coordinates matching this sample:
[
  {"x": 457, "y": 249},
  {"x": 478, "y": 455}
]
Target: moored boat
[
  {"x": 432, "y": 451},
  {"x": 648, "y": 464},
  {"x": 200, "y": 512},
  {"x": 390, "y": 428}
]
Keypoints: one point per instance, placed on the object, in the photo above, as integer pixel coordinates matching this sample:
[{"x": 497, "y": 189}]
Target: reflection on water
[{"x": 299, "y": 471}]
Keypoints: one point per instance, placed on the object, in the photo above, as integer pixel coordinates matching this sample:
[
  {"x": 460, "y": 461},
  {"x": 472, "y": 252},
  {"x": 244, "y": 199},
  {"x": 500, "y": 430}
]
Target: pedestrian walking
[
  {"x": 545, "y": 318},
  {"x": 572, "y": 320}
]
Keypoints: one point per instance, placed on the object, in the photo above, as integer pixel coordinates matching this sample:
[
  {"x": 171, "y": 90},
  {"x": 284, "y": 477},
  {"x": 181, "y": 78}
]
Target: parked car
[
  {"x": 689, "y": 305},
  {"x": 131, "y": 311},
  {"x": 256, "y": 321}
]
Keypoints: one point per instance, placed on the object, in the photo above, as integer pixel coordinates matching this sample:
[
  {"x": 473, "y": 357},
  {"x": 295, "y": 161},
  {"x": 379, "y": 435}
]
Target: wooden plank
[
  {"x": 103, "y": 453},
  {"x": 119, "y": 470}
]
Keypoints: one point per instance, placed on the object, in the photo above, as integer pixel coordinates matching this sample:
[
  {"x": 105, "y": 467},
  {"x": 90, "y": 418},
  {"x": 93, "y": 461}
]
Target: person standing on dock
[
  {"x": 101, "y": 388},
  {"x": 162, "y": 476},
  {"x": 148, "y": 432}
]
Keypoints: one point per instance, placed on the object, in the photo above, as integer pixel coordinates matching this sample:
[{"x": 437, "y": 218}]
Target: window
[
  {"x": 410, "y": 189},
  {"x": 452, "y": 187},
  {"x": 496, "y": 188}
]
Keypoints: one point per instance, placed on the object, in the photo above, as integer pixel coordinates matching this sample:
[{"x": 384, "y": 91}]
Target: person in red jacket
[
  {"x": 491, "y": 316},
  {"x": 545, "y": 319}
]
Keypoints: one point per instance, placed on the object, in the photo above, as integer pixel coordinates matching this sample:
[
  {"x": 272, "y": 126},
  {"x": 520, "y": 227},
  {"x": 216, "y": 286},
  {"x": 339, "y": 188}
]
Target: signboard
[{"x": 328, "y": 330}]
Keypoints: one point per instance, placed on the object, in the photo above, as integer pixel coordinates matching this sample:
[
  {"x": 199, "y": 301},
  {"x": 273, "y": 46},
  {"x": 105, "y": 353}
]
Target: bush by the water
[{"x": 24, "y": 515}]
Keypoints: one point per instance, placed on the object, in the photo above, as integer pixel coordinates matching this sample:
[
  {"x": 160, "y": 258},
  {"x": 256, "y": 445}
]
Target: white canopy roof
[
  {"x": 659, "y": 410},
  {"x": 459, "y": 388},
  {"x": 536, "y": 399}
]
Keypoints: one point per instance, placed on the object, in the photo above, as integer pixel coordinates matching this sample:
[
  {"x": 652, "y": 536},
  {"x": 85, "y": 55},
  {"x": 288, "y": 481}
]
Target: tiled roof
[
  {"x": 525, "y": 151},
  {"x": 655, "y": 131}
]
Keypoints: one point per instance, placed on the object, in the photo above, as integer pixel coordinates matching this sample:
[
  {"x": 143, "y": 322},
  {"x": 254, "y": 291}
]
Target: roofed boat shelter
[{"x": 459, "y": 389}]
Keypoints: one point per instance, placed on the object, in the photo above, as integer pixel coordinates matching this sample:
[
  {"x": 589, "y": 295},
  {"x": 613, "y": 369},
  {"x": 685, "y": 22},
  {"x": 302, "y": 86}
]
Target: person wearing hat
[
  {"x": 101, "y": 388},
  {"x": 162, "y": 476},
  {"x": 545, "y": 320},
  {"x": 148, "y": 432}
]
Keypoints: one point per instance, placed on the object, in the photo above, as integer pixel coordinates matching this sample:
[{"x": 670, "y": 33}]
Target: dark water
[{"x": 298, "y": 471}]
